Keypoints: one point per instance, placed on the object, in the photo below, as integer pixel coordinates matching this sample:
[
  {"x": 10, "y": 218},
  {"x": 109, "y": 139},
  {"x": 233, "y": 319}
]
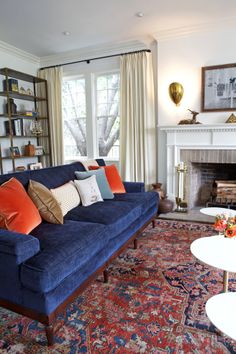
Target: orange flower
[
  {"x": 230, "y": 231},
  {"x": 220, "y": 225}
]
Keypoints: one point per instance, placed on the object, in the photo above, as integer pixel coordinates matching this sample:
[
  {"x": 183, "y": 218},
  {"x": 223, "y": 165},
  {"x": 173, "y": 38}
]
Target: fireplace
[
  {"x": 200, "y": 182},
  {"x": 209, "y": 152}
]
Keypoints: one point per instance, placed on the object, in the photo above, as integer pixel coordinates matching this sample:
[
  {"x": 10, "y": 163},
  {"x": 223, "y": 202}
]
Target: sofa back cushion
[
  {"x": 45, "y": 202},
  {"x": 17, "y": 211},
  {"x": 102, "y": 182},
  {"x": 67, "y": 196},
  {"x": 113, "y": 178},
  {"x": 88, "y": 190}
]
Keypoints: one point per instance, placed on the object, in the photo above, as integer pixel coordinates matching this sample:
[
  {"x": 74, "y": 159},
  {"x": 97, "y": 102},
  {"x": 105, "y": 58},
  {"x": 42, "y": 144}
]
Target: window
[
  {"x": 108, "y": 120},
  {"x": 91, "y": 115},
  {"x": 74, "y": 117}
]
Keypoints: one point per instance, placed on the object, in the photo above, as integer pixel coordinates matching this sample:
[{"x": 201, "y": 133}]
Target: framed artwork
[
  {"x": 219, "y": 88},
  {"x": 15, "y": 151},
  {"x": 39, "y": 151},
  {"x": 35, "y": 166}
]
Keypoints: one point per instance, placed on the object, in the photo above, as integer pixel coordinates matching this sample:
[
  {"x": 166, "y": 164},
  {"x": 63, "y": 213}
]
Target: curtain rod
[{"x": 97, "y": 58}]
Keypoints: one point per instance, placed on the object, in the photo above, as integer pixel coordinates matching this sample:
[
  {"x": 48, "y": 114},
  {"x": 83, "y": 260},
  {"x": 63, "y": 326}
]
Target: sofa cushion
[
  {"x": 67, "y": 196},
  {"x": 88, "y": 190},
  {"x": 64, "y": 249},
  {"x": 48, "y": 207},
  {"x": 113, "y": 178},
  {"x": 17, "y": 211},
  {"x": 102, "y": 182},
  {"x": 117, "y": 214},
  {"x": 145, "y": 199}
]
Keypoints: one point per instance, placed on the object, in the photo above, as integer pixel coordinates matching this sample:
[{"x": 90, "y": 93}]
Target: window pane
[
  {"x": 108, "y": 121},
  {"x": 74, "y": 117}
]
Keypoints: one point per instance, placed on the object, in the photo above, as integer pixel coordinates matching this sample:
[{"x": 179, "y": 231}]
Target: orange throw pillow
[
  {"x": 113, "y": 178},
  {"x": 17, "y": 211}
]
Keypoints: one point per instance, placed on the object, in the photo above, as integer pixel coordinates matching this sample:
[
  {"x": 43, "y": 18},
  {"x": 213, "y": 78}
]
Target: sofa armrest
[
  {"x": 134, "y": 187},
  {"x": 19, "y": 246}
]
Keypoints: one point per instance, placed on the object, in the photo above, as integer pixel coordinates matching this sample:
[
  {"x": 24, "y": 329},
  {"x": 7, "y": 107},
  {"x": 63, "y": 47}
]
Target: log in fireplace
[{"x": 223, "y": 193}]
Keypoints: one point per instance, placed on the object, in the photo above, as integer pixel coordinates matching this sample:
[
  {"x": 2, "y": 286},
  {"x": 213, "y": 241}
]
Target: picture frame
[
  {"x": 15, "y": 151},
  {"x": 39, "y": 150},
  {"x": 219, "y": 88},
  {"x": 36, "y": 166}
]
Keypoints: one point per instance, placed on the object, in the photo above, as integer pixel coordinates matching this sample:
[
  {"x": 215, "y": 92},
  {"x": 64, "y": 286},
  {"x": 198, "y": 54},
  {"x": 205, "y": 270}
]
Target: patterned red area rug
[{"x": 154, "y": 303}]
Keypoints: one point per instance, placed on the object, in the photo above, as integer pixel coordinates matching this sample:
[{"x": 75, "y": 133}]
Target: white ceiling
[{"x": 36, "y": 26}]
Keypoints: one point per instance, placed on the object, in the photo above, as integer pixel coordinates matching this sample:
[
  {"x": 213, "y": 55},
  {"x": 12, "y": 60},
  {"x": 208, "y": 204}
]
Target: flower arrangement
[{"x": 226, "y": 225}]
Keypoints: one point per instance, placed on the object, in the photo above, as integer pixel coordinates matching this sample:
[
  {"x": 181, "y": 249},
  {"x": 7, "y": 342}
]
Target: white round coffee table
[
  {"x": 216, "y": 251},
  {"x": 212, "y": 211},
  {"x": 220, "y": 310}
]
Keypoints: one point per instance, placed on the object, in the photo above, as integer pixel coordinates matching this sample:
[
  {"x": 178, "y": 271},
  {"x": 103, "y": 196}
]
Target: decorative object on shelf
[
  {"x": 193, "y": 120},
  {"x": 20, "y": 168},
  {"x": 13, "y": 107},
  {"x": 182, "y": 205},
  {"x": 226, "y": 225},
  {"x": 15, "y": 151},
  {"x": 29, "y": 149},
  {"x": 218, "y": 88},
  {"x": 231, "y": 119},
  {"x": 12, "y": 85},
  {"x": 39, "y": 151},
  {"x": 29, "y": 92},
  {"x": 36, "y": 166},
  {"x": 176, "y": 92},
  {"x": 22, "y": 90},
  {"x": 36, "y": 128}
]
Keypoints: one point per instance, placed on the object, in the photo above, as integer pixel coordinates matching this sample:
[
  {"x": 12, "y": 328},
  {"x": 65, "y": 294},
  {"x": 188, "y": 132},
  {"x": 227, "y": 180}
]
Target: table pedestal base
[{"x": 226, "y": 281}]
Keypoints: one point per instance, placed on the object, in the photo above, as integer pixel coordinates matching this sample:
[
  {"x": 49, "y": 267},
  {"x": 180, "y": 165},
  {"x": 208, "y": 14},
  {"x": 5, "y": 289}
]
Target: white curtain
[
  {"x": 137, "y": 122},
  {"x": 54, "y": 81}
]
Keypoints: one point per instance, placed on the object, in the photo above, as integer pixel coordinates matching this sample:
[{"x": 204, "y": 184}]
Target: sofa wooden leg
[
  {"x": 153, "y": 223},
  {"x": 49, "y": 335},
  {"x": 135, "y": 243},
  {"x": 105, "y": 275}
]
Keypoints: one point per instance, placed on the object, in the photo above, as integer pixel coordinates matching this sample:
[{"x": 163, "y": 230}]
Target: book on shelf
[
  {"x": 28, "y": 113},
  {"x": 26, "y": 127},
  {"x": 20, "y": 127},
  {"x": 17, "y": 127}
]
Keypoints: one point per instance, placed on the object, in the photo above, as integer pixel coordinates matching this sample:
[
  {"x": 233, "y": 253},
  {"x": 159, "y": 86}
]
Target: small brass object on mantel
[
  {"x": 193, "y": 120},
  {"x": 231, "y": 119}
]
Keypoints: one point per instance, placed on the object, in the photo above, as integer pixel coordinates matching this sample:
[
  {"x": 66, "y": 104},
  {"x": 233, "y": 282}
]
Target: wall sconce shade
[{"x": 176, "y": 92}]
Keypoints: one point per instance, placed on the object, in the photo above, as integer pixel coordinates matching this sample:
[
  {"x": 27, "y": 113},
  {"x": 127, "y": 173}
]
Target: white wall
[
  {"x": 181, "y": 59},
  {"x": 25, "y": 63}
]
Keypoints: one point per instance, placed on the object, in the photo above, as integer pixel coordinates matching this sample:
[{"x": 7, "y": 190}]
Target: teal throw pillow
[{"x": 102, "y": 182}]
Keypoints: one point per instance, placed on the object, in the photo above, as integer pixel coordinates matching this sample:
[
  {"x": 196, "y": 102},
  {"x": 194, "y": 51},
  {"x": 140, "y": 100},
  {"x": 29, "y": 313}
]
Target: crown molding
[
  {"x": 96, "y": 51},
  {"x": 19, "y": 53},
  {"x": 186, "y": 31}
]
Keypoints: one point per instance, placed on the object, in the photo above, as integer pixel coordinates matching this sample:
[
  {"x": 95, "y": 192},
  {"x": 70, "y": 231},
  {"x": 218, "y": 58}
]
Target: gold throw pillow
[{"x": 47, "y": 205}]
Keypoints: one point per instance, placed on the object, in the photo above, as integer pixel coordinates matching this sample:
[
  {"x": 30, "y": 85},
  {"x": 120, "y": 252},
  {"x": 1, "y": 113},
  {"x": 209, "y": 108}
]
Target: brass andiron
[{"x": 182, "y": 205}]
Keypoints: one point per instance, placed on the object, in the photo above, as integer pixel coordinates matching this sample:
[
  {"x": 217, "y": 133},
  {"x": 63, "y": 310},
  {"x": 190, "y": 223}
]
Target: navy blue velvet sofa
[{"x": 42, "y": 272}]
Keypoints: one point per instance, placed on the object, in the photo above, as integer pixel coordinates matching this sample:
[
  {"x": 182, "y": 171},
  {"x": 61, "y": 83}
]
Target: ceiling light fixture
[
  {"x": 139, "y": 14},
  {"x": 66, "y": 33}
]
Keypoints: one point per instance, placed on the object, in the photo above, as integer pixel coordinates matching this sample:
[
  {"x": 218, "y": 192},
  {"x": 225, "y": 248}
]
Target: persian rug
[{"x": 154, "y": 303}]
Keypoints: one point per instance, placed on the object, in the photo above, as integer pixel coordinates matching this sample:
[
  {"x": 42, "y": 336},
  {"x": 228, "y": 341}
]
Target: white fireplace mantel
[{"x": 199, "y": 137}]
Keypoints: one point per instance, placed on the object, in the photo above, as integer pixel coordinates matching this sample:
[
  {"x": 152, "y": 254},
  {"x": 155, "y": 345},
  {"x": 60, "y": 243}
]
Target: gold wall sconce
[{"x": 176, "y": 92}]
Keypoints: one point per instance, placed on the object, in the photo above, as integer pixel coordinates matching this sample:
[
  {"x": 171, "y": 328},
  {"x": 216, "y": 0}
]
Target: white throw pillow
[
  {"x": 88, "y": 190},
  {"x": 67, "y": 196}
]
